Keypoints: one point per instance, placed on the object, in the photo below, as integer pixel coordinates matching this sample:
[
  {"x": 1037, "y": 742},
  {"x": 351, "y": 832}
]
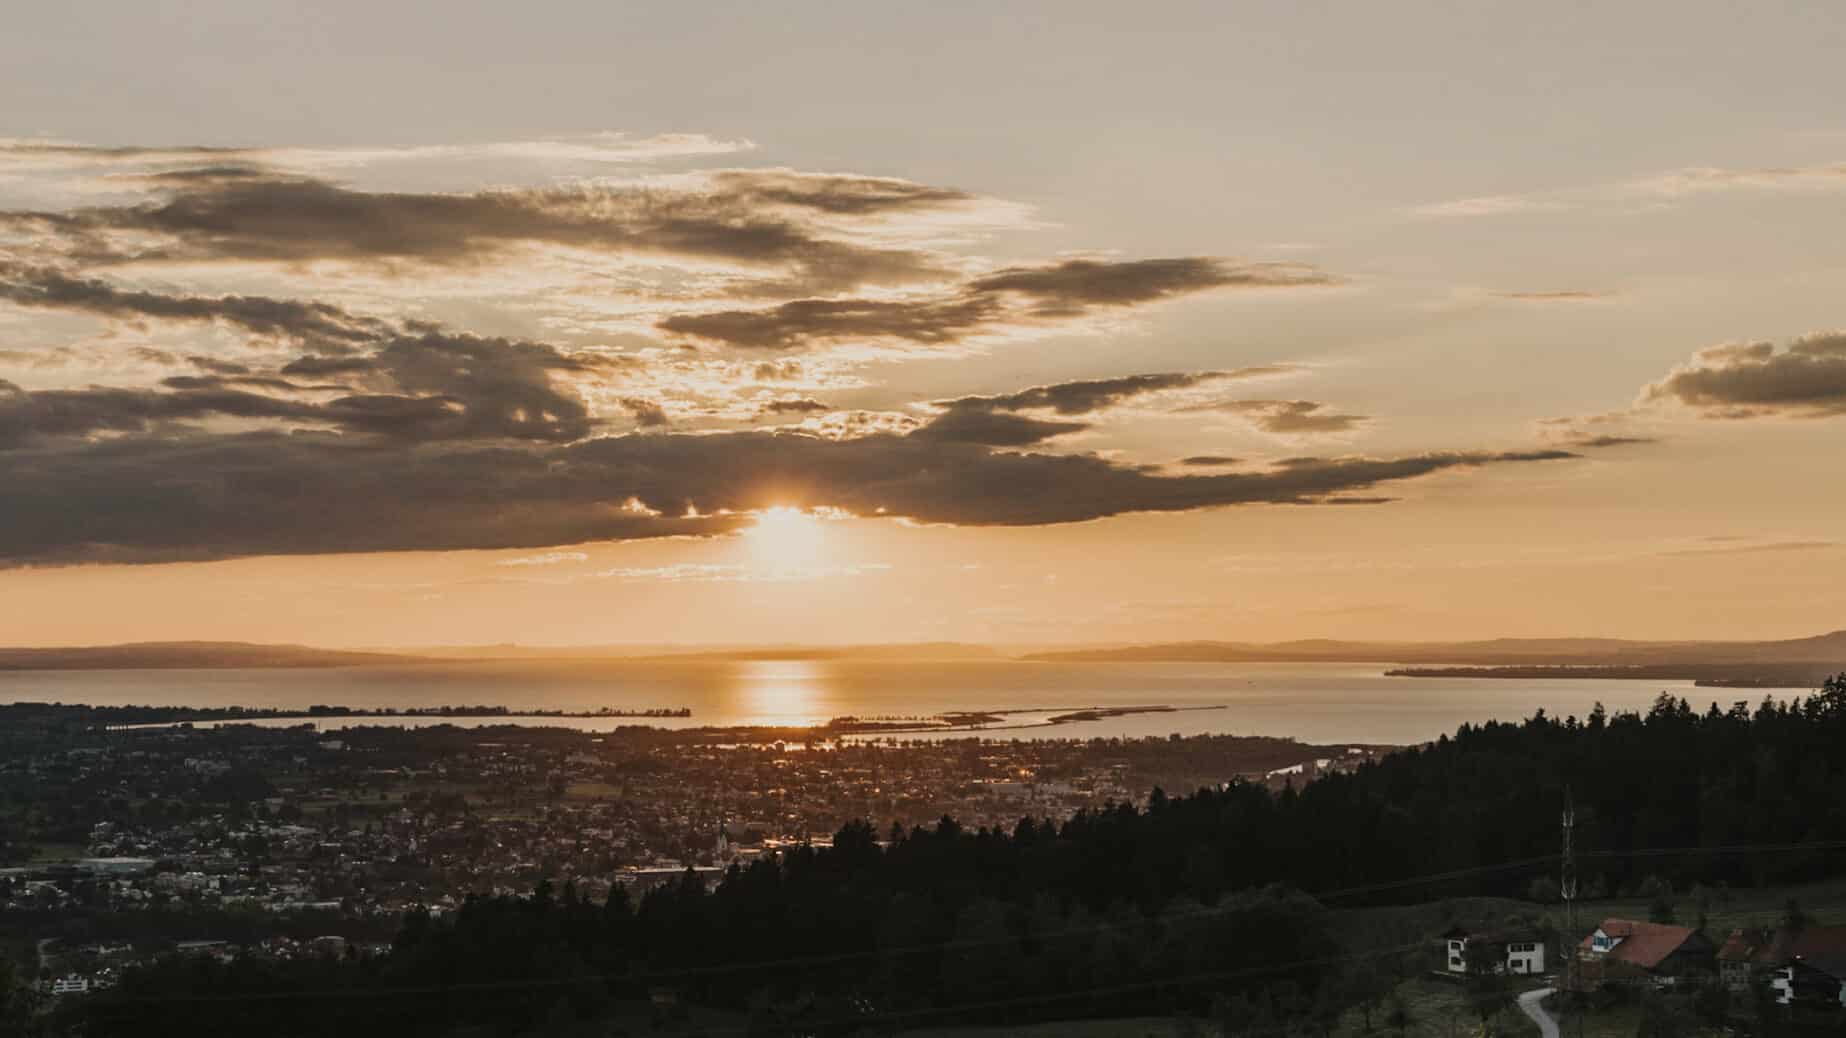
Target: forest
[{"x": 1218, "y": 903}]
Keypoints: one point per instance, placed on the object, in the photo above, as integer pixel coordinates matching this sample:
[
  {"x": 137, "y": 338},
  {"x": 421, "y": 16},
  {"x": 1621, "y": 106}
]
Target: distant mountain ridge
[
  {"x": 1576, "y": 652},
  {"x": 1826, "y": 652},
  {"x": 203, "y": 655},
  {"x": 190, "y": 656}
]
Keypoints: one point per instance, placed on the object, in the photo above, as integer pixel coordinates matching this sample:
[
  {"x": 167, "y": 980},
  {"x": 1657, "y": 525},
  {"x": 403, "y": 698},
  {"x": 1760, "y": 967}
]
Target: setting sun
[{"x": 786, "y": 538}]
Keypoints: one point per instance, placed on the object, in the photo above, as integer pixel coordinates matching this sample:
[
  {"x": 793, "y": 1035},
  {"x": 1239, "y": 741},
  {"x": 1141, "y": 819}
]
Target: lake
[{"x": 1314, "y": 702}]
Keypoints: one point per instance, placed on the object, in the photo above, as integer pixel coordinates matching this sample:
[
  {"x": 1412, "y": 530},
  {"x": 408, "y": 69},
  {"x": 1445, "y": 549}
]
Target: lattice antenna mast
[{"x": 1567, "y": 887}]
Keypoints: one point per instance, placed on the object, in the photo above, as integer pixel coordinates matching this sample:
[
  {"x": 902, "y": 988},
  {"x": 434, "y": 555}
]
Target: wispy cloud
[
  {"x": 714, "y": 573},
  {"x": 550, "y": 558},
  {"x": 1288, "y": 417},
  {"x": 1555, "y": 296},
  {"x": 1670, "y": 185},
  {"x": 25, "y": 154},
  {"x": 1491, "y": 205},
  {"x": 1766, "y": 547}
]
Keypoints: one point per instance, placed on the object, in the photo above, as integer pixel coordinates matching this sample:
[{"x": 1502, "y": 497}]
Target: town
[{"x": 292, "y": 841}]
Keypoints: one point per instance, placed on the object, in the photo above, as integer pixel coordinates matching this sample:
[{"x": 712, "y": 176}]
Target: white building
[
  {"x": 70, "y": 984},
  {"x": 1521, "y": 952}
]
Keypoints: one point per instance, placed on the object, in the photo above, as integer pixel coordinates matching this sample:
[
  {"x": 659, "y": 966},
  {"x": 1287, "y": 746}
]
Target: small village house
[
  {"x": 1812, "y": 970},
  {"x": 1805, "y": 964},
  {"x": 1626, "y": 951},
  {"x": 1516, "y": 951}
]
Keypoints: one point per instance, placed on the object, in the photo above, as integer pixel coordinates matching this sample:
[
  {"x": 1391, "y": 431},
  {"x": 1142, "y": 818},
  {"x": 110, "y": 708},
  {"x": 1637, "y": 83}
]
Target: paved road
[{"x": 1529, "y": 1004}]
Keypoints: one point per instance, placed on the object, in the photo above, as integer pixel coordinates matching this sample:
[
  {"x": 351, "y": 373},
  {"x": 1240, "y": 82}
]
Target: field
[
  {"x": 1437, "y": 1009},
  {"x": 1823, "y": 902},
  {"x": 1139, "y": 1027}
]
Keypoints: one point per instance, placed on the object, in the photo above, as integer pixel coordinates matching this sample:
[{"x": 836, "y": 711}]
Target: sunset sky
[{"x": 374, "y": 324}]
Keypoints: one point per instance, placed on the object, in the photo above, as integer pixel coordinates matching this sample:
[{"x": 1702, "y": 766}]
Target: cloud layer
[{"x": 333, "y": 415}]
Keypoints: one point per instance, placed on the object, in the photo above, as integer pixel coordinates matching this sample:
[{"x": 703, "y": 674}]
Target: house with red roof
[
  {"x": 1626, "y": 951},
  {"x": 1747, "y": 954},
  {"x": 1805, "y": 964}
]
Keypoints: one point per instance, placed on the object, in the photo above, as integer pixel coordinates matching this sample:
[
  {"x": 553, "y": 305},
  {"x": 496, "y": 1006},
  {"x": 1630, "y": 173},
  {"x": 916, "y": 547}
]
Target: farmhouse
[
  {"x": 1805, "y": 964},
  {"x": 1514, "y": 951},
  {"x": 1625, "y": 951}
]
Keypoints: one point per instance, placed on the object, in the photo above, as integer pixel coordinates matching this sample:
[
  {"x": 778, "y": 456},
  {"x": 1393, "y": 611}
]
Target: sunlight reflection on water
[{"x": 779, "y": 692}]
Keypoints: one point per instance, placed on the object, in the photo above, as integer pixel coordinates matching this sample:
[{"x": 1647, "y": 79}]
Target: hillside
[
  {"x": 1827, "y": 650},
  {"x": 189, "y": 656}
]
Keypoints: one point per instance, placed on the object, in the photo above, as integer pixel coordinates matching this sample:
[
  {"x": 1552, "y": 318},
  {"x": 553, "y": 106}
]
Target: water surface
[{"x": 1315, "y": 702}]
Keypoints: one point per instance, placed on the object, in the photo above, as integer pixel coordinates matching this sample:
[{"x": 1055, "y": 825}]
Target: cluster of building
[
  {"x": 1797, "y": 965},
  {"x": 1803, "y": 965},
  {"x": 344, "y": 832}
]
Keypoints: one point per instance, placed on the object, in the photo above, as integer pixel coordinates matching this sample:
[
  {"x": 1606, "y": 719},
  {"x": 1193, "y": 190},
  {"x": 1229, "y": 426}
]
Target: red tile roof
[
  {"x": 1756, "y": 946},
  {"x": 1642, "y": 944}
]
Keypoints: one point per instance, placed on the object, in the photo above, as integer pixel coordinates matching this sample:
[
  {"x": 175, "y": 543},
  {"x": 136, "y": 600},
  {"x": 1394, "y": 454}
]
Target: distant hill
[
  {"x": 190, "y": 655},
  {"x": 922, "y": 651},
  {"x": 1763, "y": 662},
  {"x": 233, "y": 655},
  {"x": 1823, "y": 650}
]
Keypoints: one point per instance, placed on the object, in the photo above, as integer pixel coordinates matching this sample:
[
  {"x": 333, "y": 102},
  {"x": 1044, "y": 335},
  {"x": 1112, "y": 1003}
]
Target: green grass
[
  {"x": 54, "y": 852},
  {"x": 1138, "y": 1027},
  {"x": 1824, "y": 902},
  {"x": 22, "y": 950},
  {"x": 1614, "y": 1022},
  {"x": 1438, "y": 1009}
]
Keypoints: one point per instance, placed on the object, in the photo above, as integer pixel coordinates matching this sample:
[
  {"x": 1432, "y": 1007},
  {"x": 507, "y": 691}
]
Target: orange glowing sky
[{"x": 1017, "y": 324}]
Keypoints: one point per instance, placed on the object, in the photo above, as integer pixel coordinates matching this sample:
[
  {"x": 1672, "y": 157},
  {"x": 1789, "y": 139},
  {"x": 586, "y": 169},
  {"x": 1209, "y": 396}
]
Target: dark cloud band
[
  {"x": 220, "y": 496},
  {"x": 1017, "y": 296}
]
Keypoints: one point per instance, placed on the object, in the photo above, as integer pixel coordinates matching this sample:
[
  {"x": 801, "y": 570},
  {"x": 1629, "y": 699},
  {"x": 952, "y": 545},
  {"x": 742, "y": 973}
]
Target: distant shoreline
[
  {"x": 1787, "y": 664},
  {"x": 1765, "y": 676}
]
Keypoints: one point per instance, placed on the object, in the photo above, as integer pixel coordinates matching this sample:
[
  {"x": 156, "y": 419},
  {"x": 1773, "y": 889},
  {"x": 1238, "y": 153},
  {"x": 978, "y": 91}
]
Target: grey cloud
[
  {"x": 1562, "y": 296},
  {"x": 973, "y": 425},
  {"x": 842, "y": 194},
  {"x": 1074, "y": 286},
  {"x": 1287, "y": 417},
  {"x": 318, "y": 366},
  {"x": 1210, "y": 460},
  {"x": 797, "y": 323},
  {"x": 1768, "y": 547},
  {"x": 1595, "y": 431},
  {"x": 217, "y": 365},
  {"x": 648, "y": 414},
  {"x": 795, "y": 405},
  {"x": 280, "y": 385},
  {"x": 1087, "y": 395},
  {"x": 1807, "y": 379},
  {"x": 1606, "y": 440},
  {"x": 442, "y": 387},
  {"x": 218, "y": 496},
  {"x": 505, "y": 386},
  {"x": 993, "y": 420},
  {"x": 289, "y": 219},
  {"x": 26, "y": 417},
  {"x": 320, "y": 325},
  {"x": 1015, "y": 296}
]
